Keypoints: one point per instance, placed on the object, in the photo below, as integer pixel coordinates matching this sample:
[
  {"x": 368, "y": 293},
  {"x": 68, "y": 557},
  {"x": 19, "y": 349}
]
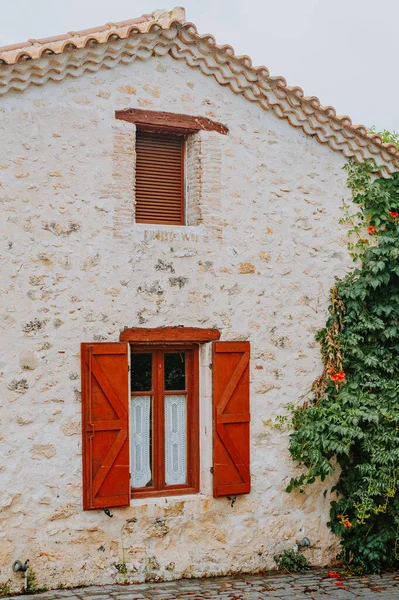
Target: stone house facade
[{"x": 247, "y": 271}]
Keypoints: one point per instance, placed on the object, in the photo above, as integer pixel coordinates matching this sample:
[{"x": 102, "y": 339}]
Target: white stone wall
[{"x": 75, "y": 267}]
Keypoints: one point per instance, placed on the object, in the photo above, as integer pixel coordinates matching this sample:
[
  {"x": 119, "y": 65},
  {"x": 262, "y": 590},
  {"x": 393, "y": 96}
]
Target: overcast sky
[{"x": 343, "y": 51}]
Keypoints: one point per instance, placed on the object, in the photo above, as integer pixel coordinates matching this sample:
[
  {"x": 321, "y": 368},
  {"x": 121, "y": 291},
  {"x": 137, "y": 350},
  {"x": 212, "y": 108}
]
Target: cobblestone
[{"x": 315, "y": 585}]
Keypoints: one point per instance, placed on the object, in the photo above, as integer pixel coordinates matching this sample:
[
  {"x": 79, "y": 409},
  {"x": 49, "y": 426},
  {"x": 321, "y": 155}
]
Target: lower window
[{"x": 164, "y": 421}]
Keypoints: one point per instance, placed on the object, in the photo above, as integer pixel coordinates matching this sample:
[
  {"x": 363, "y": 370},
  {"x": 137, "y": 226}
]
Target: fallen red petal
[{"x": 333, "y": 575}]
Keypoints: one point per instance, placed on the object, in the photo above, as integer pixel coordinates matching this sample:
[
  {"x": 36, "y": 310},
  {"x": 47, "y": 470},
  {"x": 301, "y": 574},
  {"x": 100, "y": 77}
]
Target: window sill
[
  {"x": 164, "y": 493},
  {"x": 168, "y": 500},
  {"x": 162, "y": 226}
]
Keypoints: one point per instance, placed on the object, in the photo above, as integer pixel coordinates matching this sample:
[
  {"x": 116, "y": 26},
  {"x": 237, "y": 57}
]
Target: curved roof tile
[{"x": 37, "y": 61}]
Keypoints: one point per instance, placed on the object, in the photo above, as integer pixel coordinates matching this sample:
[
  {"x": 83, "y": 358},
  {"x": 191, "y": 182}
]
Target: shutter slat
[
  {"x": 160, "y": 207},
  {"x": 157, "y": 205},
  {"x": 166, "y": 186},
  {"x": 163, "y": 150},
  {"x": 159, "y": 178},
  {"x": 163, "y": 169},
  {"x": 159, "y": 220},
  {"x": 106, "y": 477},
  {"x": 162, "y": 147},
  {"x": 158, "y": 213},
  {"x": 231, "y": 442},
  {"x": 165, "y": 158},
  {"x": 162, "y": 137}
]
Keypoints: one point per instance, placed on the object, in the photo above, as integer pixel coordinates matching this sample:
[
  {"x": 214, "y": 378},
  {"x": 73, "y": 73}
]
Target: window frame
[{"x": 160, "y": 489}]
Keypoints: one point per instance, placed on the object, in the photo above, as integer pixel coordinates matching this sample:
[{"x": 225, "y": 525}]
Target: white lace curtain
[
  {"x": 140, "y": 441},
  {"x": 175, "y": 440}
]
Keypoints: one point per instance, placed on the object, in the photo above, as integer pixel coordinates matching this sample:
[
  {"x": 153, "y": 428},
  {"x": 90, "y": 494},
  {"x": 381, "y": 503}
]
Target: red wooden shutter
[
  {"x": 105, "y": 413},
  {"x": 159, "y": 178},
  {"x": 231, "y": 416}
]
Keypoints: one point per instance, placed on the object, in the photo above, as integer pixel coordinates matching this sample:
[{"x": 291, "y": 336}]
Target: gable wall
[{"x": 76, "y": 268}]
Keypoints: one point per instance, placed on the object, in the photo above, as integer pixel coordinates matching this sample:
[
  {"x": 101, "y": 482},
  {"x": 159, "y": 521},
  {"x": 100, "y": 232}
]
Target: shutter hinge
[
  {"x": 128, "y": 368},
  {"x": 211, "y": 470}
]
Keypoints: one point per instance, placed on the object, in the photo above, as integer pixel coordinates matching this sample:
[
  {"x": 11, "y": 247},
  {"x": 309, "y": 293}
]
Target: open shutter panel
[
  {"x": 159, "y": 178},
  {"x": 105, "y": 410},
  {"x": 231, "y": 474}
]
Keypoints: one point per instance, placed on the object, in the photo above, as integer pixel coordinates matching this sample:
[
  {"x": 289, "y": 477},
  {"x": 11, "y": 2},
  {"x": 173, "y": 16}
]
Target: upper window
[
  {"x": 164, "y": 421},
  {"x": 163, "y": 141},
  {"x": 160, "y": 178}
]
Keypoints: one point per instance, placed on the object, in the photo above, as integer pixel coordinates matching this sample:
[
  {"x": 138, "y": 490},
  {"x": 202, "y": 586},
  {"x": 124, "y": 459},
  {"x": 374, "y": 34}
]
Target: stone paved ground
[{"x": 314, "y": 585}]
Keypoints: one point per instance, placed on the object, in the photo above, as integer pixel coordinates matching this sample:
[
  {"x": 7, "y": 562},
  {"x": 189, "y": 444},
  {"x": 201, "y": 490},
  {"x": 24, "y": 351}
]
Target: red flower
[
  {"x": 338, "y": 376},
  {"x": 372, "y": 230},
  {"x": 344, "y": 521},
  {"x": 394, "y": 214}
]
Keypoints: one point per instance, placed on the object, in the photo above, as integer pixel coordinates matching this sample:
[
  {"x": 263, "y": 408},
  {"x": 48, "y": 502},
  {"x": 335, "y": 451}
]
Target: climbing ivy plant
[{"x": 350, "y": 419}]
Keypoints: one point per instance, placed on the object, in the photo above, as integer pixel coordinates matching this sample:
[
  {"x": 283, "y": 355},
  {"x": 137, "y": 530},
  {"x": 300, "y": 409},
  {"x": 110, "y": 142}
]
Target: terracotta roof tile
[
  {"x": 34, "y": 48},
  {"x": 161, "y": 32}
]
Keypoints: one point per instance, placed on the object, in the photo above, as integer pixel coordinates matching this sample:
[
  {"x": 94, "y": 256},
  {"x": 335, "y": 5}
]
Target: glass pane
[
  {"x": 141, "y": 441},
  {"x": 175, "y": 439},
  {"x": 141, "y": 373},
  {"x": 175, "y": 371}
]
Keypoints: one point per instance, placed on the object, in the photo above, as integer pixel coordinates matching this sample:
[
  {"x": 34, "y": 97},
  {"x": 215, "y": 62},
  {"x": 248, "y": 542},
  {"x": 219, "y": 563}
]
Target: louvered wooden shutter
[
  {"x": 231, "y": 447},
  {"x": 105, "y": 410},
  {"x": 159, "y": 178}
]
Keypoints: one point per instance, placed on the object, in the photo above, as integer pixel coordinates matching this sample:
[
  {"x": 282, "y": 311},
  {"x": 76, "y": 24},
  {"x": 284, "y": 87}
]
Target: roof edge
[
  {"x": 161, "y": 32},
  {"x": 36, "y": 48}
]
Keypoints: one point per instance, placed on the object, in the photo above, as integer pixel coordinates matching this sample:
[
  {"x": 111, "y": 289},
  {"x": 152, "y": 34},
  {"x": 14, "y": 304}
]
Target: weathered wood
[
  {"x": 169, "y": 335},
  {"x": 105, "y": 425},
  {"x": 231, "y": 419},
  {"x": 160, "y": 178},
  {"x": 166, "y": 122}
]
